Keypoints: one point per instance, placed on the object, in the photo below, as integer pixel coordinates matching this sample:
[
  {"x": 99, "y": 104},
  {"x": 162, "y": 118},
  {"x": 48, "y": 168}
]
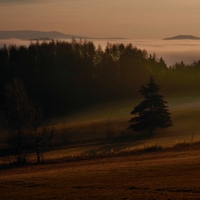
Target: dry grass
[
  {"x": 94, "y": 123},
  {"x": 161, "y": 175},
  {"x": 153, "y": 173}
]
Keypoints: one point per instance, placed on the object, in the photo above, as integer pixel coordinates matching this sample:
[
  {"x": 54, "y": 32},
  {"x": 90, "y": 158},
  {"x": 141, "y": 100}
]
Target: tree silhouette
[
  {"x": 65, "y": 76},
  {"x": 25, "y": 123},
  {"x": 16, "y": 112},
  {"x": 152, "y": 113}
]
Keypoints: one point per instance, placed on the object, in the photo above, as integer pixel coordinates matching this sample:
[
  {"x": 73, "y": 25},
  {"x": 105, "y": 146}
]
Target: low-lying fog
[{"x": 171, "y": 50}]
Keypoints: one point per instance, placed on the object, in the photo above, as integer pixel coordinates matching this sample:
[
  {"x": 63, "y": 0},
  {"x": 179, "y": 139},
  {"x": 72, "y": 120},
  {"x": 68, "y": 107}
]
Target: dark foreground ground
[{"x": 159, "y": 175}]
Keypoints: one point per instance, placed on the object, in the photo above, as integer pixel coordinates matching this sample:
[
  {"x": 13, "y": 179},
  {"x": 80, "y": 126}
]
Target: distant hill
[
  {"x": 35, "y": 35},
  {"x": 41, "y": 35},
  {"x": 183, "y": 37}
]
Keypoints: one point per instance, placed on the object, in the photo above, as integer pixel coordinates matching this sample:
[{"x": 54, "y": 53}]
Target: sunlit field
[
  {"x": 103, "y": 128},
  {"x": 165, "y": 174},
  {"x": 93, "y": 155},
  {"x": 160, "y": 175}
]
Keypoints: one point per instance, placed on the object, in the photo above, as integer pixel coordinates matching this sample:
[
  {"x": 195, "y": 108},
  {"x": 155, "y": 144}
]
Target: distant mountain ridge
[
  {"x": 183, "y": 37},
  {"x": 42, "y": 35},
  {"x": 34, "y": 35}
]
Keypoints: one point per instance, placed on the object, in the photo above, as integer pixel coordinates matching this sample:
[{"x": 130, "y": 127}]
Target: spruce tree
[{"x": 152, "y": 113}]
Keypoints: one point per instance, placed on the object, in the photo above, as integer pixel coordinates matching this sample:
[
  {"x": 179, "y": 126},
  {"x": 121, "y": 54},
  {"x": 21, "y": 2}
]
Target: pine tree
[{"x": 152, "y": 113}]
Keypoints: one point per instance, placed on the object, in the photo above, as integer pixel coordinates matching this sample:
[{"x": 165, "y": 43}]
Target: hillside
[
  {"x": 161, "y": 175},
  {"x": 42, "y": 35},
  {"x": 183, "y": 37},
  {"x": 31, "y": 35}
]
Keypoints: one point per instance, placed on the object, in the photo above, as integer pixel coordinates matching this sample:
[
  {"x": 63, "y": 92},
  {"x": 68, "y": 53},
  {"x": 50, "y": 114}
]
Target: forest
[{"x": 62, "y": 77}]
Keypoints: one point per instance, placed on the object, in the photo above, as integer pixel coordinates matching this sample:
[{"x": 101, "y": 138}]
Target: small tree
[
  {"x": 41, "y": 134},
  {"x": 152, "y": 113}
]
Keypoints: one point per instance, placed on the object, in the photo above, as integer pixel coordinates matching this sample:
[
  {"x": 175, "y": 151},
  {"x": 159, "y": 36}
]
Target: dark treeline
[{"x": 63, "y": 76}]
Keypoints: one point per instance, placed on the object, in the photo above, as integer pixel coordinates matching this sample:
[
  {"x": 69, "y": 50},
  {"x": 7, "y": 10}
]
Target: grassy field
[
  {"x": 95, "y": 122},
  {"x": 167, "y": 174},
  {"x": 160, "y": 175},
  {"x": 92, "y": 129}
]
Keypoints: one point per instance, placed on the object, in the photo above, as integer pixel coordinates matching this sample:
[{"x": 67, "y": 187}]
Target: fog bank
[{"x": 171, "y": 51}]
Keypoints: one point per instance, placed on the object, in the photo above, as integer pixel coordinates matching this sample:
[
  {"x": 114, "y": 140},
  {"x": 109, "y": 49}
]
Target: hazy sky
[{"x": 136, "y": 19}]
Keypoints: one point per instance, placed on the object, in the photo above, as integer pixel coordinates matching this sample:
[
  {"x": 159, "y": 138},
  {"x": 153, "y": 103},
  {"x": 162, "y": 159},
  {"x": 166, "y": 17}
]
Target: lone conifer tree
[{"x": 152, "y": 113}]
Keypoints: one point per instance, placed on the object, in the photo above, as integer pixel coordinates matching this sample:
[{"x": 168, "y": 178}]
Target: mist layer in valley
[{"x": 171, "y": 51}]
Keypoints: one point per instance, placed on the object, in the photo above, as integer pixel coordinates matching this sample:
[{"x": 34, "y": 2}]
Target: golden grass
[
  {"x": 80, "y": 128},
  {"x": 171, "y": 174},
  {"x": 161, "y": 175}
]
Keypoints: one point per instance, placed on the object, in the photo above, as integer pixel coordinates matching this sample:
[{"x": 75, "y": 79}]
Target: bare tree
[
  {"x": 25, "y": 122},
  {"x": 41, "y": 134}
]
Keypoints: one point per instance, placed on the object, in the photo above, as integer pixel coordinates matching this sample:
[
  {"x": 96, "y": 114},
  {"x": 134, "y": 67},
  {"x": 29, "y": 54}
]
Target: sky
[{"x": 134, "y": 19}]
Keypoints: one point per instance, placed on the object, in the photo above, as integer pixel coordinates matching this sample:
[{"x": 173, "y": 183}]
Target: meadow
[
  {"x": 103, "y": 128},
  {"x": 93, "y": 164},
  {"x": 93, "y": 156},
  {"x": 156, "y": 175}
]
